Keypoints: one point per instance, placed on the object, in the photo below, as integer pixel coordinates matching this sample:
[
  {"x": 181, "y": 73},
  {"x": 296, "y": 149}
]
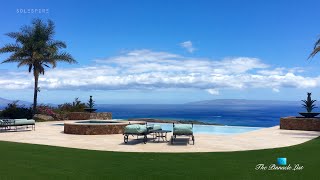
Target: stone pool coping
[
  {"x": 114, "y": 127},
  {"x": 50, "y": 133}
]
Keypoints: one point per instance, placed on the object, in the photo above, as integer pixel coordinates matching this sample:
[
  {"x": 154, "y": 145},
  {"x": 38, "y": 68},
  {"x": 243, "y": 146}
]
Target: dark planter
[
  {"x": 90, "y": 110},
  {"x": 309, "y": 114}
]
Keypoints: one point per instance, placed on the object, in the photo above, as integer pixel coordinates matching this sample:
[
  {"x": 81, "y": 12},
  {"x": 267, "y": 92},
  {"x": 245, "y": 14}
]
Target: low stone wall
[
  {"x": 42, "y": 117},
  {"x": 295, "y": 123},
  {"x": 87, "y": 115}
]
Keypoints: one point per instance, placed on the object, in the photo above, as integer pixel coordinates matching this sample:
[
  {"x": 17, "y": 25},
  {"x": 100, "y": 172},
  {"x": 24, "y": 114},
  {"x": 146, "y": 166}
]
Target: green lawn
[{"x": 27, "y": 161}]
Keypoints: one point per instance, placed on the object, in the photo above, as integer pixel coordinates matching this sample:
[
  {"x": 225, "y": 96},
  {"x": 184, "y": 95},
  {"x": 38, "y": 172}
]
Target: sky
[{"x": 170, "y": 52}]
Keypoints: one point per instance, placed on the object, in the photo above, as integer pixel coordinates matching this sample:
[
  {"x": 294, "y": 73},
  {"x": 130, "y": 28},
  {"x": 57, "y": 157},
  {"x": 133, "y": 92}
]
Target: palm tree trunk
[{"x": 35, "y": 93}]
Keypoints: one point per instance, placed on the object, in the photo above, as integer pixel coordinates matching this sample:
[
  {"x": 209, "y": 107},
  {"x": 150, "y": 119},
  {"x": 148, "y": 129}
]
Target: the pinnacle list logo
[
  {"x": 282, "y": 161},
  {"x": 281, "y": 165}
]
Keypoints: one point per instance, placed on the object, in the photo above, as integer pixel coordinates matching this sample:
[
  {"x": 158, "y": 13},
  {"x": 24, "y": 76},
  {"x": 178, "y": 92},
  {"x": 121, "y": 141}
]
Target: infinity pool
[
  {"x": 197, "y": 129},
  {"x": 213, "y": 129}
]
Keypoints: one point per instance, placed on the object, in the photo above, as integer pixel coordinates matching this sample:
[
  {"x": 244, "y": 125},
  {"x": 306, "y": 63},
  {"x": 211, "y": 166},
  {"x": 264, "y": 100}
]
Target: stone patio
[{"x": 51, "y": 133}]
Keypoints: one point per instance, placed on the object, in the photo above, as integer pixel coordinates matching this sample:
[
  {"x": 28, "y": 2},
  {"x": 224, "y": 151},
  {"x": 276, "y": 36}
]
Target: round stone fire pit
[{"x": 97, "y": 127}]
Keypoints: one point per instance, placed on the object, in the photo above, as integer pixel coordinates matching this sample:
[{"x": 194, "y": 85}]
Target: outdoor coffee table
[{"x": 160, "y": 134}]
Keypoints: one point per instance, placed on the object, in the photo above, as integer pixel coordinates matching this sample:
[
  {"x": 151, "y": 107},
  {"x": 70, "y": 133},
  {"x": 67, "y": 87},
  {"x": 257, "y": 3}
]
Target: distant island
[{"x": 242, "y": 102}]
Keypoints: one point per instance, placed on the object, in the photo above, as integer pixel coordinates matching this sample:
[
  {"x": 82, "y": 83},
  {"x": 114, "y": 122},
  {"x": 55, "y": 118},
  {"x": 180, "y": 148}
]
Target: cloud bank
[{"x": 146, "y": 69}]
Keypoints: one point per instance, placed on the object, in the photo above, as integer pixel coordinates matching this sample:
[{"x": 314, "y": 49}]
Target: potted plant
[
  {"x": 90, "y": 105},
  {"x": 309, "y": 106}
]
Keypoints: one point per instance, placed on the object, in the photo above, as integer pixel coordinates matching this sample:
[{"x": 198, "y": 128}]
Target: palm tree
[
  {"x": 316, "y": 49},
  {"x": 35, "y": 48}
]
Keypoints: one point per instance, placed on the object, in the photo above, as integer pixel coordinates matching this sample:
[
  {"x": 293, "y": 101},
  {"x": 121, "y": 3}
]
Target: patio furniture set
[{"x": 157, "y": 132}]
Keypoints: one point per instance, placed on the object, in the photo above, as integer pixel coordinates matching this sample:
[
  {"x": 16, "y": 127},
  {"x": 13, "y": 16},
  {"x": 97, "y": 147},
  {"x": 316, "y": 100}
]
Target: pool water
[
  {"x": 96, "y": 122},
  {"x": 213, "y": 129}
]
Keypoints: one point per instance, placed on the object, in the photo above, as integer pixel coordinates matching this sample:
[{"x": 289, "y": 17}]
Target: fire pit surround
[{"x": 97, "y": 127}]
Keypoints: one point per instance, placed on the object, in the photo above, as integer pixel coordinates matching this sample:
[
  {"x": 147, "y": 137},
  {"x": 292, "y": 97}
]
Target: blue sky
[{"x": 171, "y": 51}]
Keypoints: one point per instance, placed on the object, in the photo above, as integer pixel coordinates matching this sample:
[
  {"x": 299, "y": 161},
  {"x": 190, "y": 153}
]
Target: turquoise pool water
[
  {"x": 97, "y": 122},
  {"x": 212, "y": 129}
]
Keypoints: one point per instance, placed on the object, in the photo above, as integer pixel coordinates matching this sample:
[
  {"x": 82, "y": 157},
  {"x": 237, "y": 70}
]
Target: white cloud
[
  {"x": 275, "y": 90},
  {"x": 188, "y": 46},
  {"x": 146, "y": 69},
  {"x": 276, "y": 71},
  {"x": 281, "y": 71},
  {"x": 213, "y": 91}
]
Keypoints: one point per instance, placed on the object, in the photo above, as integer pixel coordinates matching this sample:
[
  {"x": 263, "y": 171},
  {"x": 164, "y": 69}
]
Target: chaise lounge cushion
[
  {"x": 135, "y": 129},
  {"x": 21, "y": 122},
  {"x": 182, "y": 129}
]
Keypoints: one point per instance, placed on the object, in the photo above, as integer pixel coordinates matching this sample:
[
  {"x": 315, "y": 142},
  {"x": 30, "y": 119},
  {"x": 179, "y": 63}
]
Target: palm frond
[
  {"x": 14, "y": 35},
  {"x": 11, "y": 60},
  {"x": 41, "y": 70},
  {"x": 10, "y": 48},
  {"x": 57, "y": 44},
  {"x": 30, "y": 68},
  {"x": 50, "y": 29},
  {"x": 24, "y": 63},
  {"x": 62, "y": 57},
  {"x": 20, "y": 37},
  {"x": 316, "y": 44},
  {"x": 314, "y": 52}
]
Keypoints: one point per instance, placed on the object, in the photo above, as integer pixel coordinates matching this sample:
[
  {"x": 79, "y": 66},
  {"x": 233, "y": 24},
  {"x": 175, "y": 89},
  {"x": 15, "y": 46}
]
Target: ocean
[{"x": 232, "y": 115}]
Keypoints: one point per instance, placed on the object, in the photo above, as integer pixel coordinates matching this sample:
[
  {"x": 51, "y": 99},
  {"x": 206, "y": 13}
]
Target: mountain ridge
[{"x": 4, "y": 102}]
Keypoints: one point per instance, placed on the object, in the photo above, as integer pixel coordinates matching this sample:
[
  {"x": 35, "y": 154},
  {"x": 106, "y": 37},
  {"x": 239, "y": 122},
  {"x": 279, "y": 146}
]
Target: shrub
[
  {"x": 46, "y": 110},
  {"x": 14, "y": 111},
  {"x": 75, "y": 106},
  {"x": 309, "y": 103},
  {"x": 90, "y": 103}
]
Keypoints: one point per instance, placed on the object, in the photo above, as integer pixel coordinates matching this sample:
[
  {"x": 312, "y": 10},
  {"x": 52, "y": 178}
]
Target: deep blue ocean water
[{"x": 232, "y": 115}]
